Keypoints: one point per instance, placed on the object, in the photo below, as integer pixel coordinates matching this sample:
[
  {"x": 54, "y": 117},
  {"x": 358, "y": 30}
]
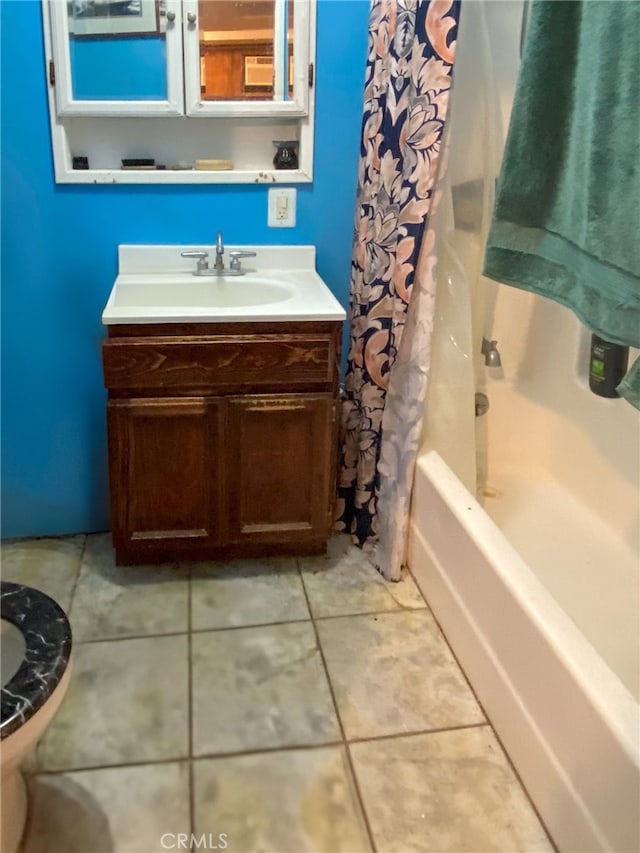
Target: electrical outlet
[{"x": 282, "y": 207}]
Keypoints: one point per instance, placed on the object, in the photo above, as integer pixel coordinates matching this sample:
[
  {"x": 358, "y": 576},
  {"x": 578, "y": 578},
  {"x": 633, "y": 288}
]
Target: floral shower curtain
[{"x": 408, "y": 79}]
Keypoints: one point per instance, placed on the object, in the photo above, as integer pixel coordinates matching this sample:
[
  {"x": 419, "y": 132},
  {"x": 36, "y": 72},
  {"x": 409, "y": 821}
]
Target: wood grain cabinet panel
[
  {"x": 222, "y": 442},
  {"x": 165, "y": 471},
  {"x": 218, "y": 364},
  {"x": 278, "y": 473}
]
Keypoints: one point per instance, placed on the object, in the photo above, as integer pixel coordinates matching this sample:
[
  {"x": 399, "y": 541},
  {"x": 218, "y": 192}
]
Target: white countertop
[{"x": 156, "y": 285}]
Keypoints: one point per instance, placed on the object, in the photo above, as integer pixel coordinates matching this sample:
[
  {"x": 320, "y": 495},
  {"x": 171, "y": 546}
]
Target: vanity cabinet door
[
  {"x": 166, "y": 484},
  {"x": 280, "y": 468}
]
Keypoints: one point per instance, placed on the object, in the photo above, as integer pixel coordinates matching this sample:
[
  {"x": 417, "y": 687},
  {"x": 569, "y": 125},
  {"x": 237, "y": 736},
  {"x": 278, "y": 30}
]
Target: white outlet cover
[{"x": 282, "y": 207}]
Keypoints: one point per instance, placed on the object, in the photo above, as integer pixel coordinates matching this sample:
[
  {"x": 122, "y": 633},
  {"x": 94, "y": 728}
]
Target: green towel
[{"x": 567, "y": 217}]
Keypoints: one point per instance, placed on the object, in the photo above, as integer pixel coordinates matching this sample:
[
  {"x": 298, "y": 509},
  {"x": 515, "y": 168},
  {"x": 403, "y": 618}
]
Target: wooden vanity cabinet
[{"x": 222, "y": 438}]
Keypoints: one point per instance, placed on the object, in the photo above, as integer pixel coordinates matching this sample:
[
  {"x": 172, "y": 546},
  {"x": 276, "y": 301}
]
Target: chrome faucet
[
  {"x": 219, "y": 264},
  {"x": 202, "y": 267},
  {"x": 218, "y": 268},
  {"x": 235, "y": 267},
  {"x": 490, "y": 352}
]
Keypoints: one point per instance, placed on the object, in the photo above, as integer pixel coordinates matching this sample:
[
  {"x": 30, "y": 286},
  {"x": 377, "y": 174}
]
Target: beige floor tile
[
  {"x": 127, "y": 702},
  {"x": 343, "y": 581},
  {"x": 289, "y": 802},
  {"x": 117, "y": 810},
  {"x": 445, "y": 791},
  {"x": 50, "y": 565},
  {"x": 393, "y": 673},
  {"x": 246, "y": 592},
  {"x": 120, "y": 601},
  {"x": 255, "y": 688}
]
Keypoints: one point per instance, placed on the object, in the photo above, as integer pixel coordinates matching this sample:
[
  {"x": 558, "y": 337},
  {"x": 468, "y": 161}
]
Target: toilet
[{"x": 35, "y": 643}]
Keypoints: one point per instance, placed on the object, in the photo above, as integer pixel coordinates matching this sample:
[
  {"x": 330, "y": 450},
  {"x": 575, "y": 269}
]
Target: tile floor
[{"x": 275, "y": 706}]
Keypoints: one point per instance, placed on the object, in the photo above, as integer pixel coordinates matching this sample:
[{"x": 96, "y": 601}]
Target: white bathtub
[{"x": 568, "y": 722}]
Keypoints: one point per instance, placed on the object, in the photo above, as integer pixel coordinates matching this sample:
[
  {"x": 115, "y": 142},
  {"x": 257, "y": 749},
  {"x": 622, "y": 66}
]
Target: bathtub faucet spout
[{"x": 490, "y": 353}]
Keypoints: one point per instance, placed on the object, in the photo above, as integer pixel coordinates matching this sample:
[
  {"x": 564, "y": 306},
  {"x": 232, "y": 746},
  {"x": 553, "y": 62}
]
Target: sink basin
[
  {"x": 193, "y": 292},
  {"x": 155, "y": 284}
]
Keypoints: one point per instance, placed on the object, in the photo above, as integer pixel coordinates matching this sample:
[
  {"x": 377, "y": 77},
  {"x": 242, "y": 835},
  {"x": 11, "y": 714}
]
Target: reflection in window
[{"x": 237, "y": 41}]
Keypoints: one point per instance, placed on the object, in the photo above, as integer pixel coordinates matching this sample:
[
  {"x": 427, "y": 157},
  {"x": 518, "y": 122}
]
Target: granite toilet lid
[{"x": 46, "y": 634}]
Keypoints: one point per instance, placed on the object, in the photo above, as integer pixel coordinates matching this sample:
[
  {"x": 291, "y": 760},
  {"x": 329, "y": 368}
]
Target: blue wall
[
  {"x": 119, "y": 68},
  {"x": 59, "y": 258}
]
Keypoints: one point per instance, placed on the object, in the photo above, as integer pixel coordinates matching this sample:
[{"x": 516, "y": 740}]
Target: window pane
[
  {"x": 236, "y": 49},
  {"x": 117, "y": 50}
]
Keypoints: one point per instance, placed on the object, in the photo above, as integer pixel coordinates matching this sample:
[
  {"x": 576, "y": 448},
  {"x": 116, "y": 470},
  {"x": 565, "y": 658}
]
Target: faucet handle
[
  {"x": 235, "y": 259},
  {"x": 202, "y": 259}
]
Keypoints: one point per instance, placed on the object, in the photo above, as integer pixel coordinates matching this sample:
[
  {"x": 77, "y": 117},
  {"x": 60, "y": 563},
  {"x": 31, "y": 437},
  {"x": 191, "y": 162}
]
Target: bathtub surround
[
  {"x": 567, "y": 218},
  {"x": 276, "y": 687},
  {"x": 408, "y": 78}
]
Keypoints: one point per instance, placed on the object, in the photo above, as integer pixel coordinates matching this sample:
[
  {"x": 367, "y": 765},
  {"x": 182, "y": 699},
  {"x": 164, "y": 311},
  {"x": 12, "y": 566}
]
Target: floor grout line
[
  {"x": 58, "y": 771},
  {"x": 250, "y": 625},
  {"x": 266, "y": 750},
  {"x": 420, "y": 609},
  {"x": 418, "y": 732},
  {"x": 191, "y": 630},
  {"x": 154, "y": 636},
  {"x": 192, "y": 757},
  {"x": 347, "y": 752}
]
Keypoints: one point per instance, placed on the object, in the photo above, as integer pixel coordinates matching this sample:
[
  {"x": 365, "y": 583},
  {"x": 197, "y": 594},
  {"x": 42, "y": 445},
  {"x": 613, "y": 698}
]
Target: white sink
[
  {"x": 156, "y": 285},
  {"x": 174, "y": 291}
]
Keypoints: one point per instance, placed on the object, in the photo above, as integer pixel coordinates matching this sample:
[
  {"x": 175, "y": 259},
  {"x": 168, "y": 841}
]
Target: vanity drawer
[{"x": 220, "y": 364}]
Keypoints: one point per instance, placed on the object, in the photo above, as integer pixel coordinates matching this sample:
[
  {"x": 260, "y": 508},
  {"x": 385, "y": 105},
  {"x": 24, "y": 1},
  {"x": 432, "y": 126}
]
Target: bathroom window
[{"x": 112, "y": 65}]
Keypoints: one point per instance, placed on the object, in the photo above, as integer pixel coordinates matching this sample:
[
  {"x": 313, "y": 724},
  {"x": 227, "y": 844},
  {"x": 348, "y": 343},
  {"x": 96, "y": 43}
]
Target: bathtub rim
[{"x": 616, "y": 701}]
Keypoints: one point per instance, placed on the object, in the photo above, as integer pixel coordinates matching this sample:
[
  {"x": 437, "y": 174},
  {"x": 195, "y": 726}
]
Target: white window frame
[
  {"x": 183, "y": 69},
  {"x": 298, "y": 106},
  {"x": 56, "y": 18}
]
